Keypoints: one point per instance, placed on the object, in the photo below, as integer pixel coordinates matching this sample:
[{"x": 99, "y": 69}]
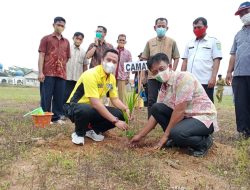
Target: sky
[{"x": 24, "y": 23}]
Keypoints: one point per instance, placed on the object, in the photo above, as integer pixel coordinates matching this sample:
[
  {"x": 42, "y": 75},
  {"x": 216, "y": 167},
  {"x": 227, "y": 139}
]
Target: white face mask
[
  {"x": 164, "y": 76},
  {"x": 108, "y": 67},
  {"x": 246, "y": 19}
]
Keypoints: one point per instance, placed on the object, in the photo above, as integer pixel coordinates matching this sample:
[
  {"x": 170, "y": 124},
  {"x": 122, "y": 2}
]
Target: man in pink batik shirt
[{"x": 186, "y": 114}]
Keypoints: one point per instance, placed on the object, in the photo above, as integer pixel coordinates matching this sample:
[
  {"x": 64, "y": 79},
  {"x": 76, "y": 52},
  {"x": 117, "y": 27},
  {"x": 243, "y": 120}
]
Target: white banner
[{"x": 135, "y": 66}]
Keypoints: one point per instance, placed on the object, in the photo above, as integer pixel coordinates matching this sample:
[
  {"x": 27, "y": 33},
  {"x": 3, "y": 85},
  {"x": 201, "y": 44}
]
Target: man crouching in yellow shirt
[{"x": 85, "y": 107}]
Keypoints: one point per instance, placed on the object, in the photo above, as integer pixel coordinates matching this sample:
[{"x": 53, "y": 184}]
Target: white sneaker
[
  {"x": 60, "y": 122},
  {"x": 77, "y": 139},
  {"x": 91, "y": 134}
]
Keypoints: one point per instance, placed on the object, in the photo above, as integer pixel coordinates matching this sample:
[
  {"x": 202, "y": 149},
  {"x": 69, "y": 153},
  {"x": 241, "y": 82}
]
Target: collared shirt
[
  {"x": 93, "y": 83},
  {"x": 165, "y": 45},
  {"x": 57, "y": 53},
  {"x": 220, "y": 84},
  {"x": 200, "y": 55},
  {"x": 97, "y": 57},
  {"x": 125, "y": 56},
  {"x": 76, "y": 62},
  {"x": 184, "y": 87},
  {"x": 241, "y": 49}
]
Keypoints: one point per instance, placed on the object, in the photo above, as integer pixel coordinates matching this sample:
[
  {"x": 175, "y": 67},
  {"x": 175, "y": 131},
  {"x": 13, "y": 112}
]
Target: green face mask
[
  {"x": 98, "y": 35},
  {"x": 158, "y": 78},
  {"x": 163, "y": 76}
]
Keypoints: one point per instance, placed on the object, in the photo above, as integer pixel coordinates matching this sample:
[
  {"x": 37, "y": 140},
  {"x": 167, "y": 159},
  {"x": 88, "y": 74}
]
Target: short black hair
[
  {"x": 78, "y": 34},
  {"x": 111, "y": 51},
  {"x": 202, "y": 19},
  {"x": 59, "y": 19},
  {"x": 219, "y": 75},
  {"x": 122, "y": 35},
  {"x": 156, "y": 59},
  {"x": 161, "y": 19},
  {"x": 104, "y": 28}
]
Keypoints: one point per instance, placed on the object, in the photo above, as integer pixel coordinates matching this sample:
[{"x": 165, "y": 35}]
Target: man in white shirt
[
  {"x": 76, "y": 65},
  {"x": 202, "y": 57}
]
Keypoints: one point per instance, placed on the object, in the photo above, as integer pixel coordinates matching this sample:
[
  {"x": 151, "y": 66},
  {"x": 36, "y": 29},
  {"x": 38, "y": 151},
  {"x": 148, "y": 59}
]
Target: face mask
[
  {"x": 108, "y": 67},
  {"x": 246, "y": 19},
  {"x": 199, "y": 32},
  {"x": 59, "y": 29},
  {"x": 163, "y": 76},
  {"x": 98, "y": 35},
  {"x": 77, "y": 43},
  {"x": 161, "y": 32}
]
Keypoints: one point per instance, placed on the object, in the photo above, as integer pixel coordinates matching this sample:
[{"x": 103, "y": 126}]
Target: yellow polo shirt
[{"x": 93, "y": 83}]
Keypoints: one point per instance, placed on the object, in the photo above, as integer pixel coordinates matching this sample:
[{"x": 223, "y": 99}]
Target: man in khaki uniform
[
  {"x": 220, "y": 87},
  {"x": 159, "y": 44}
]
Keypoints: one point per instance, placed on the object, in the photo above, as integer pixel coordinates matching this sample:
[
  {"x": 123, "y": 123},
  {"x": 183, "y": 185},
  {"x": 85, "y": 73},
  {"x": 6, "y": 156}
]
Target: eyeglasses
[
  {"x": 243, "y": 12},
  {"x": 99, "y": 31}
]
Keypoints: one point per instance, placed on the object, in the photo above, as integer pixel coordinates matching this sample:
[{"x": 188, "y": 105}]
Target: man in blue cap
[{"x": 239, "y": 63}]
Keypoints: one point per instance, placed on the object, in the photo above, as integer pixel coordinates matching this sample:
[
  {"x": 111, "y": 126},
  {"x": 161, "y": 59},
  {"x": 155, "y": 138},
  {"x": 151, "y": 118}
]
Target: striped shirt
[{"x": 75, "y": 63}]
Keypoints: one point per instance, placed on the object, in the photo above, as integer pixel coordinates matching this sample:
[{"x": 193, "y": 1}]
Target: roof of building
[{"x": 3, "y": 75}]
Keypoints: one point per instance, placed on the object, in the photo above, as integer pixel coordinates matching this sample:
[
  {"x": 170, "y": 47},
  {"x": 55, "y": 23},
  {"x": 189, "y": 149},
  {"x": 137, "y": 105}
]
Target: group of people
[{"x": 181, "y": 102}]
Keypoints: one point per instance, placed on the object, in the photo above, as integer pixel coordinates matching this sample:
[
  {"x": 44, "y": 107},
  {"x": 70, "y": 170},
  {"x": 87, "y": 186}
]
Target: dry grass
[{"x": 35, "y": 158}]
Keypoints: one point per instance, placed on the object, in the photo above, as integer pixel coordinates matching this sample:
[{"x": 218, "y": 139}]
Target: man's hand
[
  {"x": 41, "y": 77},
  {"x": 121, "y": 125},
  {"x": 212, "y": 82},
  {"x": 135, "y": 140},
  {"x": 96, "y": 41},
  {"x": 144, "y": 80},
  {"x": 161, "y": 143},
  {"x": 130, "y": 117},
  {"x": 126, "y": 81},
  {"x": 229, "y": 78}
]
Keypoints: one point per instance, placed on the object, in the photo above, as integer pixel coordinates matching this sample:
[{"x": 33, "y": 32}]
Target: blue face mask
[{"x": 161, "y": 32}]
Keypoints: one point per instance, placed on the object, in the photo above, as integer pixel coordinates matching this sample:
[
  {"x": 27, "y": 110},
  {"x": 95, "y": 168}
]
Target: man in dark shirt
[
  {"x": 54, "y": 52},
  {"x": 96, "y": 49}
]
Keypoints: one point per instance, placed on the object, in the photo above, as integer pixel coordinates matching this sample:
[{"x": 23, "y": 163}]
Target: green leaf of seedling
[
  {"x": 125, "y": 115},
  {"x": 130, "y": 134}
]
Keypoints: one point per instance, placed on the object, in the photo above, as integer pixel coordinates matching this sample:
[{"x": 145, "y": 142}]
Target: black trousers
[
  {"x": 83, "y": 115},
  {"x": 145, "y": 86},
  {"x": 209, "y": 91},
  {"x": 51, "y": 92},
  {"x": 241, "y": 90},
  {"x": 153, "y": 89},
  {"x": 69, "y": 86},
  {"x": 189, "y": 132}
]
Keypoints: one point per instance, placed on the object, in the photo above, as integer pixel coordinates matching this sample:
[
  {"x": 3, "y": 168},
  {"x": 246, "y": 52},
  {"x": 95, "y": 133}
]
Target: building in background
[
  {"x": 18, "y": 76},
  {"x": 31, "y": 79}
]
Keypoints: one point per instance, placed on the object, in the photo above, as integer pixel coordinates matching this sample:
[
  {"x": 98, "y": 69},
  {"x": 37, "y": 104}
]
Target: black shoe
[
  {"x": 202, "y": 151},
  {"x": 170, "y": 144}
]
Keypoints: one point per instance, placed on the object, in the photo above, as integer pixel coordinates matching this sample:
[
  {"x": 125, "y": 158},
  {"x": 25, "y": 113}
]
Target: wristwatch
[{"x": 115, "y": 121}]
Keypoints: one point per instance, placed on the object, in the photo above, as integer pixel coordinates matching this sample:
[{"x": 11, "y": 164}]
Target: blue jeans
[{"x": 52, "y": 91}]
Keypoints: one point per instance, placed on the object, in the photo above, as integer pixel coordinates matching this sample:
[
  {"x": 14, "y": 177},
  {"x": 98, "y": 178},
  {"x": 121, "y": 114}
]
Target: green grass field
[{"x": 45, "y": 158}]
